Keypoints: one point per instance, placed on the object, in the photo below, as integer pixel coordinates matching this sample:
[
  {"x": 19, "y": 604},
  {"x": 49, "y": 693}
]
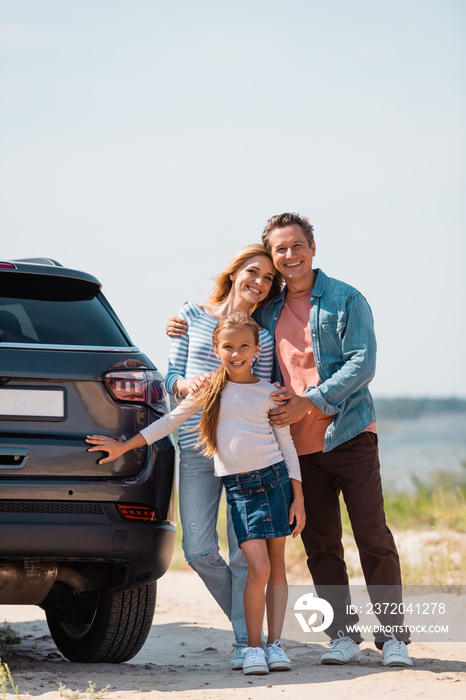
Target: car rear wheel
[{"x": 108, "y": 627}]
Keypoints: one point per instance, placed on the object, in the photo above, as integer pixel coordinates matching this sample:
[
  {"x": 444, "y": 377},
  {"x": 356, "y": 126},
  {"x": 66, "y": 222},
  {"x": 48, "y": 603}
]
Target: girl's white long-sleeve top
[
  {"x": 246, "y": 440},
  {"x": 192, "y": 353}
]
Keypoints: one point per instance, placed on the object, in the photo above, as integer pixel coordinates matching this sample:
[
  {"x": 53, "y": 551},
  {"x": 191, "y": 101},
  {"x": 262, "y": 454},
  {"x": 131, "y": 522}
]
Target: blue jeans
[{"x": 200, "y": 492}]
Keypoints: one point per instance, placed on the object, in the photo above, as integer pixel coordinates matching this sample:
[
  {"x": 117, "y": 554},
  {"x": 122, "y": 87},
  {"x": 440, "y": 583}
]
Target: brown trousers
[{"x": 353, "y": 469}]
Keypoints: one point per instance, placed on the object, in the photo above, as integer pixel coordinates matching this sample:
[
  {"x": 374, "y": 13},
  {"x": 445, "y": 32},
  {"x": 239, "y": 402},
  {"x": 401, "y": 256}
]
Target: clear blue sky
[{"x": 146, "y": 141}]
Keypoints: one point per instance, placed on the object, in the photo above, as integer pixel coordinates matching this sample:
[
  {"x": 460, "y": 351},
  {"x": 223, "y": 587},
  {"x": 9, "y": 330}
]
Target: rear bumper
[
  {"x": 111, "y": 556},
  {"x": 131, "y": 553}
]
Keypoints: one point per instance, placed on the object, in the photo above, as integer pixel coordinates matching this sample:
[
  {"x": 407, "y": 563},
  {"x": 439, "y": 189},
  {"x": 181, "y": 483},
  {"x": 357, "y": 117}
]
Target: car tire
[{"x": 111, "y": 629}]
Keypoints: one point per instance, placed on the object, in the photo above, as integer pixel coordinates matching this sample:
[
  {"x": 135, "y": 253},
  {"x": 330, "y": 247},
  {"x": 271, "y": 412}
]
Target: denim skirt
[{"x": 260, "y": 502}]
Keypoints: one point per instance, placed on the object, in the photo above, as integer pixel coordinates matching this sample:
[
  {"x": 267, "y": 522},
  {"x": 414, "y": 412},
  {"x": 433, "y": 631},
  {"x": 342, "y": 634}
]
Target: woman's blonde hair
[
  {"x": 223, "y": 283},
  {"x": 209, "y": 398}
]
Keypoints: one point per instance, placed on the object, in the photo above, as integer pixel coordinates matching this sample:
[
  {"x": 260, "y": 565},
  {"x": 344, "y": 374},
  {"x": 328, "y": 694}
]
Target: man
[{"x": 325, "y": 356}]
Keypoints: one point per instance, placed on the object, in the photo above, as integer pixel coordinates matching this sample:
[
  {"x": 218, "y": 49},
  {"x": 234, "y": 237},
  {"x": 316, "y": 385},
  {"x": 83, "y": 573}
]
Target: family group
[{"x": 283, "y": 451}]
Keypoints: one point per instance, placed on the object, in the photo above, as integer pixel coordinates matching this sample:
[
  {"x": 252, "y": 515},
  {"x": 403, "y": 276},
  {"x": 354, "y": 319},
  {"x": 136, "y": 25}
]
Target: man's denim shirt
[{"x": 344, "y": 346}]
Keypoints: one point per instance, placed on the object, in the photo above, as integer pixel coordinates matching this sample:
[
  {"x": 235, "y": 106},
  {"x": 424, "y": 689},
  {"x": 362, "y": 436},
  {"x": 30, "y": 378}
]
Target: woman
[{"x": 248, "y": 280}]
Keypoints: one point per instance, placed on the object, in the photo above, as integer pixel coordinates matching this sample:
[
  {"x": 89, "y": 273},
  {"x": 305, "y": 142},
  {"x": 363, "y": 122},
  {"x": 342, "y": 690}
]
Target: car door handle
[{"x": 13, "y": 457}]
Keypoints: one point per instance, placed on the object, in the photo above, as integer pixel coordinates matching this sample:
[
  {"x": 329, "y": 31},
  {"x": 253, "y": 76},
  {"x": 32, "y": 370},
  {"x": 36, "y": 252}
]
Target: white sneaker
[
  {"x": 277, "y": 660},
  {"x": 238, "y": 657},
  {"x": 255, "y": 661},
  {"x": 395, "y": 653},
  {"x": 342, "y": 651}
]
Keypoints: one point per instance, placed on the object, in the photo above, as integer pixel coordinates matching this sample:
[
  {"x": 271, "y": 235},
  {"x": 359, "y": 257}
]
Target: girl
[{"x": 260, "y": 471}]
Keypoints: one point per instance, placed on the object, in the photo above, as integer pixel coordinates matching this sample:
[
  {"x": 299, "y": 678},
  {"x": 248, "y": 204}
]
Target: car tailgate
[{"x": 44, "y": 422}]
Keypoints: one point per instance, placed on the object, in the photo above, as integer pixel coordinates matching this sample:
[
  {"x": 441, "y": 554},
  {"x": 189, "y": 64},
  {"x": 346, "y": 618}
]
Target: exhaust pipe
[
  {"x": 30, "y": 583},
  {"x": 75, "y": 580}
]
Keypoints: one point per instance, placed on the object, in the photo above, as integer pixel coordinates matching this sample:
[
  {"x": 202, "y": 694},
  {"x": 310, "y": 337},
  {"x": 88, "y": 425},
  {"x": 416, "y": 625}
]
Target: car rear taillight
[
  {"x": 132, "y": 512},
  {"x": 7, "y": 266},
  {"x": 139, "y": 386}
]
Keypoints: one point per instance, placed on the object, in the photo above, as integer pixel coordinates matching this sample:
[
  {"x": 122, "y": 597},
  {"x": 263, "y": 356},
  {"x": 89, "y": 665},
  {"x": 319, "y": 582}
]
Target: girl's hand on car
[
  {"x": 176, "y": 326},
  {"x": 102, "y": 443}
]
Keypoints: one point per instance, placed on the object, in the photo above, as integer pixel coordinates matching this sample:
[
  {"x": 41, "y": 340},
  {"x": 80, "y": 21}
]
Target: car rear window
[{"x": 59, "y": 323}]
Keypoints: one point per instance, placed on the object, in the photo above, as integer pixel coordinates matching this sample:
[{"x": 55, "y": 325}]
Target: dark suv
[{"x": 84, "y": 541}]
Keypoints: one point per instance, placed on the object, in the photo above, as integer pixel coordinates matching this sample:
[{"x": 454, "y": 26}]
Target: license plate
[{"x": 32, "y": 403}]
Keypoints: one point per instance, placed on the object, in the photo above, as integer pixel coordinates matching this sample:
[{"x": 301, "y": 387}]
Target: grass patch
[
  {"x": 90, "y": 692},
  {"x": 6, "y": 681},
  {"x": 438, "y": 503},
  {"x": 8, "y": 638}
]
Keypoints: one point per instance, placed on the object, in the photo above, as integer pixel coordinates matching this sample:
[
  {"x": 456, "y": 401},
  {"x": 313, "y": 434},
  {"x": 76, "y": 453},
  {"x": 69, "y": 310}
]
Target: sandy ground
[{"x": 188, "y": 651}]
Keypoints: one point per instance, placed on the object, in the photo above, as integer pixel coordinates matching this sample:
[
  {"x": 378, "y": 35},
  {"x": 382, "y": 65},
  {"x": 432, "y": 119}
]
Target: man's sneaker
[
  {"x": 277, "y": 660},
  {"x": 238, "y": 657},
  {"x": 254, "y": 661},
  {"x": 395, "y": 653},
  {"x": 342, "y": 651}
]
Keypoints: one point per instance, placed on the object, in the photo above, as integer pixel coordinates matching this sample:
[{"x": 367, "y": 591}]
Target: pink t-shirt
[{"x": 299, "y": 371}]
